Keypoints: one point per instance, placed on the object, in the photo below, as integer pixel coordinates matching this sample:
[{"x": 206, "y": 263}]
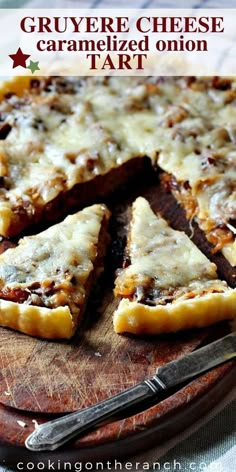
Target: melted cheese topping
[
  {"x": 68, "y": 130},
  {"x": 162, "y": 259},
  {"x": 65, "y": 135},
  {"x": 52, "y": 269}
]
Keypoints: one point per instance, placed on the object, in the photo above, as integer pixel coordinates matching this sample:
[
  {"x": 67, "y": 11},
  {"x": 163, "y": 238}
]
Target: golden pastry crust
[
  {"x": 137, "y": 318},
  {"x": 37, "y": 321}
]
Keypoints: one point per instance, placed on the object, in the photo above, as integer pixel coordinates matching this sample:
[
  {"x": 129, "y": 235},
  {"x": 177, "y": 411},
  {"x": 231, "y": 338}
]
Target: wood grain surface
[{"x": 40, "y": 377}]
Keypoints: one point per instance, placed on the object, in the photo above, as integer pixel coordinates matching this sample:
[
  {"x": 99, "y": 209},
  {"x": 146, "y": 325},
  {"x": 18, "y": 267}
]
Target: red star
[{"x": 19, "y": 58}]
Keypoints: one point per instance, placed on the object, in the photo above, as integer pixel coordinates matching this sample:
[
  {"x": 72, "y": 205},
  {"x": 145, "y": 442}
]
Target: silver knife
[{"x": 55, "y": 433}]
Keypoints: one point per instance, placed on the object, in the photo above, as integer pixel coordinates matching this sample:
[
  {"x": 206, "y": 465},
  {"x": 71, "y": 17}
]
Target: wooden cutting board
[{"x": 43, "y": 378}]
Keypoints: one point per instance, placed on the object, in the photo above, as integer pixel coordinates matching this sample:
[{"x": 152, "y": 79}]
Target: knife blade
[
  {"x": 55, "y": 433},
  {"x": 198, "y": 361}
]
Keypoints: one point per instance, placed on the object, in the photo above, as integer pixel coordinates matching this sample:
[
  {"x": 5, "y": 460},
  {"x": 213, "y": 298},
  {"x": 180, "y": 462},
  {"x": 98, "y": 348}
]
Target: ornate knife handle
[{"x": 55, "y": 433}]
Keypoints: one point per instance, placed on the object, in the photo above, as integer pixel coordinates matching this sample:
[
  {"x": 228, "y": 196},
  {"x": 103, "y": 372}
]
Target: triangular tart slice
[
  {"x": 45, "y": 281},
  {"x": 168, "y": 285}
]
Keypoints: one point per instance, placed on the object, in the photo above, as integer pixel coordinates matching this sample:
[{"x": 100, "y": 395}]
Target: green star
[{"x": 33, "y": 66}]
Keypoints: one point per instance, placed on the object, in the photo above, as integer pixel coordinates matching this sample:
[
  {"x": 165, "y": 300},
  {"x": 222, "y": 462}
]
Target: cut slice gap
[
  {"x": 207, "y": 205},
  {"x": 45, "y": 280},
  {"x": 169, "y": 204},
  {"x": 170, "y": 284}
]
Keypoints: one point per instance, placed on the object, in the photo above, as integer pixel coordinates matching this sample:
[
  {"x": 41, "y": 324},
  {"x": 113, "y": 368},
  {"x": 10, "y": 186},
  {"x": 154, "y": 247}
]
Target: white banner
[{"x": 119, "y": 42}]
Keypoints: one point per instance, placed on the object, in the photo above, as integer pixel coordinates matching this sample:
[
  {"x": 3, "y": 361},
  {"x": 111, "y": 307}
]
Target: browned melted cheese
[{"x": 63, "y": 131}]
